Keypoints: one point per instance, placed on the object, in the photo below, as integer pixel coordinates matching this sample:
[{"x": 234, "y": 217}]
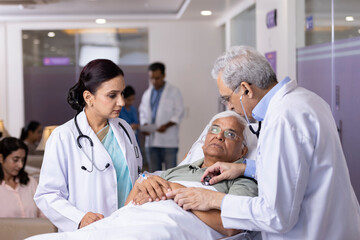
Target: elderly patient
[{"x": 165, "y": 219}]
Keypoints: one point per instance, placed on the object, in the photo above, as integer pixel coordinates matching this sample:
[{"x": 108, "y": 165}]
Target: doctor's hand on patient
[
  {"x": 89, "y": 218},
  {"x": 223, "y": 171},
  {"x": 193, "y": 198}
]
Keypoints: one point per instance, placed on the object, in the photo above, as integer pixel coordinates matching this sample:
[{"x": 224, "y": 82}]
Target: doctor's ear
[
  {"x": 88, "y": 96},
  {"x": 248, "y": 90}
]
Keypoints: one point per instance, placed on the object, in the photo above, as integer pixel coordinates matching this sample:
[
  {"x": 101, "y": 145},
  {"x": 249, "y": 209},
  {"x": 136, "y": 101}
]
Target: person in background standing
[
  {"x": 129, "y": 112},
  {"x": 162, "y": 105}
]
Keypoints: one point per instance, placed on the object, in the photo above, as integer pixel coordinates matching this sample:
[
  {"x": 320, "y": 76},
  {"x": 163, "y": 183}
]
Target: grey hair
[
  {"x": 229, "y": 113},
  {"x": 244, "y": 64}
]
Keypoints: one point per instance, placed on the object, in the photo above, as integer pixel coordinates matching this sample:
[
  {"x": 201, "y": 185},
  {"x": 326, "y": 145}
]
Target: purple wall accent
[
  {"x": 271, "y": 19},
  {"x": 271, "y": 57},
  {"x": 314, "y": 68},
  {"x": 56, "y": 61},
  {"x": 46, "y": 91},
  {"x": 316, "y": 76},
  {"x": 347, "y": 115}
]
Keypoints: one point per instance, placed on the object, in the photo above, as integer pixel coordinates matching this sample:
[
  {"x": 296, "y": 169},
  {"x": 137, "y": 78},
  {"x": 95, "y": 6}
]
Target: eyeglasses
[
  {"x": 229, "y": 134},
  {"x": 225, "y": 99}
]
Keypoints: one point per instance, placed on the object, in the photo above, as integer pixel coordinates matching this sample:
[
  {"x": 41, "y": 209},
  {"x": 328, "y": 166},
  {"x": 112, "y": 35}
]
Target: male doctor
[
  {"x": 303, "y": 180},
  {"x": 162, "y": 105}
]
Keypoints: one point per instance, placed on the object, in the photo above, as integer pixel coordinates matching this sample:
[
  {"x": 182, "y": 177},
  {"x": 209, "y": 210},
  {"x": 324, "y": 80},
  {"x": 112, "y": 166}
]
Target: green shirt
[{"x": 193, "y": 172}]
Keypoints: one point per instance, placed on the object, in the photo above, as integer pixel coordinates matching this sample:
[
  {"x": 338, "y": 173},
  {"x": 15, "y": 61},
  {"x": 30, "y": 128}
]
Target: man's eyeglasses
[
  {"x": 225, "y": 99},
  {"x": 229, "y": 134}
]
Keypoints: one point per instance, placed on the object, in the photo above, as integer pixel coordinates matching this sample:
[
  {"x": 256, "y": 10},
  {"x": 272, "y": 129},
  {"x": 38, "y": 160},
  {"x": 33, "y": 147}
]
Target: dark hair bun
[{"x": 75, "y": 98}]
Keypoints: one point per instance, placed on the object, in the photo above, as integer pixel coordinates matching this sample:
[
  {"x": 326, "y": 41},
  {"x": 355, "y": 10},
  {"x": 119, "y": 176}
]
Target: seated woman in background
[
  {"x": 17, "y": 189},
  {"x": 129, "y": 112},
  {"x": 31, "y": 135}
]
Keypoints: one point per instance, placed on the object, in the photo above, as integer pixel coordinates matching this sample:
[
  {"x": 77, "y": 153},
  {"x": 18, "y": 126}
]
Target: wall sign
[
  {"x": 271, "y": 57},
  {"x": 56, "y": 61},
  {"x": 309, "y": 23},
  {"x": 271, "y": 19}
]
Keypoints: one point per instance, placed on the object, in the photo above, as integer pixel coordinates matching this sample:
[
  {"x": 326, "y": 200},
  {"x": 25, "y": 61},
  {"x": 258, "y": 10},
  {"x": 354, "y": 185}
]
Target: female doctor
[{"x": 92, "y": 161}]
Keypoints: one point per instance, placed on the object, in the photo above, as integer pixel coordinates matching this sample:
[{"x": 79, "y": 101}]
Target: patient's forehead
[{"x": 231, "y": 122}]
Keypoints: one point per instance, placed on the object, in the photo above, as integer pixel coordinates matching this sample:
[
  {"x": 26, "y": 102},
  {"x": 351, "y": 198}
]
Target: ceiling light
[
  {"x": 25, "y": 36},
  {"x": 206, "y": 13},
  {"x": 51, "y": 34},
  {"x": 36, "y": 41},
  {"x": 349, "y": 18},
  {"x": 100, "y": 21}
]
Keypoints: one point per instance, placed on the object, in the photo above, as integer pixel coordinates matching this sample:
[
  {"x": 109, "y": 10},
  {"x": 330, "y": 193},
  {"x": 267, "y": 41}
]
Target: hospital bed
[
  {"x": 38, "y": 226},
  {"x": 196, "y": 152}
]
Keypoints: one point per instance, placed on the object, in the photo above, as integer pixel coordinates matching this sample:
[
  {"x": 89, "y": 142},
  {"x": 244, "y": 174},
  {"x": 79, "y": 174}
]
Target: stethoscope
[
  {"x": 81, "y": 135},
  {"x": 257, "y": 132}
]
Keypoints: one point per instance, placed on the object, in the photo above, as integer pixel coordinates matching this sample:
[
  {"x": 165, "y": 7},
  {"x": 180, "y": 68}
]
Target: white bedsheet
[{"x": 155, "y": 220}]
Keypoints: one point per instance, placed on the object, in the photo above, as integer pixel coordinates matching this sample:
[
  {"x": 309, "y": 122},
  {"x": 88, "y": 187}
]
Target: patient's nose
[{"x": 220, "y": 136}]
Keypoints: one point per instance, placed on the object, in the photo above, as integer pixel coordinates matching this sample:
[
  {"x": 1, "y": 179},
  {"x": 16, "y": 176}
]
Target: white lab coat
[
  {"x": 304, "y": 184},
  {"x": 171, "y": 108},
  {"x": 65, "y": 191}
]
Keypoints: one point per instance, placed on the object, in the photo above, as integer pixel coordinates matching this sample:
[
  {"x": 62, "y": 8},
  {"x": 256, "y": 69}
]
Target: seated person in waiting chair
[
  {"x": 165, "y": 219},
  {"x": 17, "y": 189}
]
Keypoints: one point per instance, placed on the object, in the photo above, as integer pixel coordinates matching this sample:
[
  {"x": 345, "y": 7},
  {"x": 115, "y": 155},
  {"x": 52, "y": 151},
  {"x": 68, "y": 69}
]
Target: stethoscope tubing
[
  {"x": 81, "y": 135},
  {"x": 257, "y": 132}
]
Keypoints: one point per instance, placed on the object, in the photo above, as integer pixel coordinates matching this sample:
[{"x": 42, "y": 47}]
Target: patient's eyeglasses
[{"x": 229, "y": 134}]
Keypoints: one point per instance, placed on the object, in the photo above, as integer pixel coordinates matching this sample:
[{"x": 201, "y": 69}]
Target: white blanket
[{"x": 155, "y": 220}]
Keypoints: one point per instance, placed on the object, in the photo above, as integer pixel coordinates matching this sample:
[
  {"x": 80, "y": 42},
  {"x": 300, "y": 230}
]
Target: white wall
[
  {"x": 281, "y": 38},
  {"x": 3, "y": 99},
  {"x": 187, "y": 48},
  {"x": 15, "y": 87}
]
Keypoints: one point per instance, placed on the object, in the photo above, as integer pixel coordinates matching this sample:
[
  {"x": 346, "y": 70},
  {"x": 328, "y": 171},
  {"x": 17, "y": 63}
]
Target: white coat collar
[
  {"x": 284, "y": 90},
  {"x": 288, "y": 87}
]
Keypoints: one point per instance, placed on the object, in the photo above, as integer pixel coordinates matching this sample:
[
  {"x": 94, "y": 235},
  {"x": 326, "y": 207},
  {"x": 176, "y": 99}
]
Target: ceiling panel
[{"x": 70, "y": 7}]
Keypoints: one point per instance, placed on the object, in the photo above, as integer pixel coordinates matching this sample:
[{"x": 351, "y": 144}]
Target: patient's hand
[
  {"x": 153, "y": 188},
  {"x": 221, "y": 171},
  {"x": 89, "y": 218}
]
